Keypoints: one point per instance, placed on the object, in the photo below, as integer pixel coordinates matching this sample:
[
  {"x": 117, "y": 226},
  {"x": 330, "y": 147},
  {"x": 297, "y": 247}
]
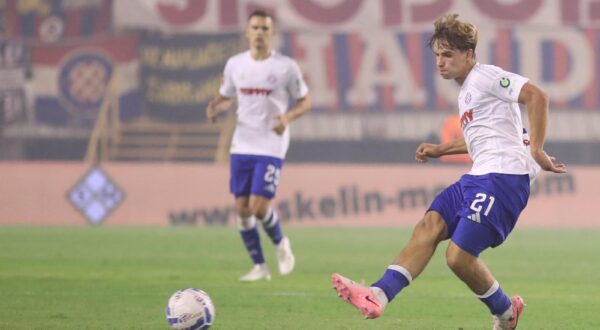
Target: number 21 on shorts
[{"x": 478, "y": 202}]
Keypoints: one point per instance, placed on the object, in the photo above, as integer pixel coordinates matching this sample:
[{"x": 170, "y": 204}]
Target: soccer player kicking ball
[
  {"x": 482, "y": 207},
  {"x": 262, "y": 80}
]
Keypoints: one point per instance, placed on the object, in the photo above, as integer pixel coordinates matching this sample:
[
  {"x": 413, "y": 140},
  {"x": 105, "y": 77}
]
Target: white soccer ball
[{"x": 190, "y": 309}]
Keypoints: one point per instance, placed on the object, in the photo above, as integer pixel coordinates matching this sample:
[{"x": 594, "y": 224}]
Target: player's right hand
[
  {"x": 425, "y": 151},
  {"x": 281, "y": 125},
  {"x": 211, "y": 112}
]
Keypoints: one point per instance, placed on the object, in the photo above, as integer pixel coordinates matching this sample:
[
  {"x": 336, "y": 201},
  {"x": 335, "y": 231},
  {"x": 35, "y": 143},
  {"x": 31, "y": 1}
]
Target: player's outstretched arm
[
  {"x": 302, "y": 106},
  {"x": 537, "y": 102},
  {"x": 216, "y": 106},
  {"x": 428, "y": 150}
]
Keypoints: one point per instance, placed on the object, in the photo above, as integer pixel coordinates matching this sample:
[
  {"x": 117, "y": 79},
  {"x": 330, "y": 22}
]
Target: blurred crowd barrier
[
  {"x": 126, "y": 194},
  {"x": 125, "y": 80}
]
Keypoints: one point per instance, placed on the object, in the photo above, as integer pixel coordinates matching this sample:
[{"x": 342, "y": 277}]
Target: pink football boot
[
  {"x": 357, "y": 295},
  {"x": 517, "y": 306}
]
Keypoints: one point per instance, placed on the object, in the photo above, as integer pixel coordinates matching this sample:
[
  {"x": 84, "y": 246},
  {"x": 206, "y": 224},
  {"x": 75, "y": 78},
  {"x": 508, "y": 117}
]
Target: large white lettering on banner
[{"x": 349, "y": 15}]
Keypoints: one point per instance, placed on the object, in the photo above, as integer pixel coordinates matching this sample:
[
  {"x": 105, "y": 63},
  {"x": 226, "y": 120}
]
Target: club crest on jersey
[
  {"x": 526, "y": 141},
  {"x": 468, "y": 98},
  {"x": 504, "y": 82},
  {"x": 466, "y": 118}
]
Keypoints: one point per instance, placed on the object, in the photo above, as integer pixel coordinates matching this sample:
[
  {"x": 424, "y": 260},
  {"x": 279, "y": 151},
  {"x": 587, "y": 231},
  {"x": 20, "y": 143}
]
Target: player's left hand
[
  {"x": 548, "y": 163},
  {"x": 282, "y": 123}
]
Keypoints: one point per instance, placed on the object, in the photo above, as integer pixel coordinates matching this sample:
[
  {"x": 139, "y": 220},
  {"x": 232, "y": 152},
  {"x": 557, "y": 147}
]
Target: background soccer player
[
  {"x": 263, "y": 81},
  {"x": 481, "y": 209}
]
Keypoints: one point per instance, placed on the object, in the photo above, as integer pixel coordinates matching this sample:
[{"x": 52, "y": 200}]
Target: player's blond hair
[{"x": 454, "y": 34}]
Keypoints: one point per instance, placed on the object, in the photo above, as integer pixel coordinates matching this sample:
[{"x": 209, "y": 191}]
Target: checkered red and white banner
[{"x": 71, "y": 81}]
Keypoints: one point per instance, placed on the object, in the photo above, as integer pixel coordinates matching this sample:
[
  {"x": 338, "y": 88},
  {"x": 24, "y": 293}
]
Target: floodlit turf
[{"x": 121, "y": 278}]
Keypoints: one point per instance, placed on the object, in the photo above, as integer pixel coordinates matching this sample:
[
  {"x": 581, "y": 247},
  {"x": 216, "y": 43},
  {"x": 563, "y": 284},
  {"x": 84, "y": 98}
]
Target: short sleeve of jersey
[
  {"x": 296, "y": 85},
  {"x": 227, "y": 88},
  {"x": 507, "y": 86}
]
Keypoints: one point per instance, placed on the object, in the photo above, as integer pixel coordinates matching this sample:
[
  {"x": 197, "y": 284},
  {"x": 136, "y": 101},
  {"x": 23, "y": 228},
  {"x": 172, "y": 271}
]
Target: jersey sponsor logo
[
  {"x": 466, "y": 118},
  {"x": 256, "y": 91},
  {"x": 504, "y": 82}
]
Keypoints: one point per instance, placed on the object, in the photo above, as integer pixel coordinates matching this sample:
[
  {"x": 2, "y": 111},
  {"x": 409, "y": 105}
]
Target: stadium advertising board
[{"x": 312, "y": 195}]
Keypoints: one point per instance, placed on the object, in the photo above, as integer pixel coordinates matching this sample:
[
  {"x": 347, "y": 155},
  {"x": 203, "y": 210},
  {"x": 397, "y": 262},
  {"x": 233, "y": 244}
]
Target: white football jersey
[
  {"x": 263, "y": 90},
  {"x": 491, "y": 122}
]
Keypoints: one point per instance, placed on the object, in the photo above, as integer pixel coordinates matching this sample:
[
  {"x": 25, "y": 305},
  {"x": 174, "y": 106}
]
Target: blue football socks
[
  {"x": 272, "y": 226},
  {"x": 251, "y": 240},
  {"x": 393, "y": 281},
  {"x": 495, "y": 299}
]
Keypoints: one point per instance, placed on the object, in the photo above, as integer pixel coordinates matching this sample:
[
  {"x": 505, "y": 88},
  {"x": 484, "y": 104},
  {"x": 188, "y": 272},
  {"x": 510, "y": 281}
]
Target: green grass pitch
[{"x": 121, "y": 278}]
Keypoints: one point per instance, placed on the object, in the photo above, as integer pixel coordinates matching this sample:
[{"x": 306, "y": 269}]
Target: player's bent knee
[
  {"x": 457, "y": 259},
  {"x": 245, "y": 223},
  {"x": 243, "y": 211},
  {"x": 454, "y": 262},
  {"x": 260, "y": 214},
  {"x": 259, "y": 206}
]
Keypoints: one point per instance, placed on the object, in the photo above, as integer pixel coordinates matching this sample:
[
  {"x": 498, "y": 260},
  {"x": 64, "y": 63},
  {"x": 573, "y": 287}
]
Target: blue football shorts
[
  {"x": 481, "y": 210},
  {"x": 254, "y": 175}
]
